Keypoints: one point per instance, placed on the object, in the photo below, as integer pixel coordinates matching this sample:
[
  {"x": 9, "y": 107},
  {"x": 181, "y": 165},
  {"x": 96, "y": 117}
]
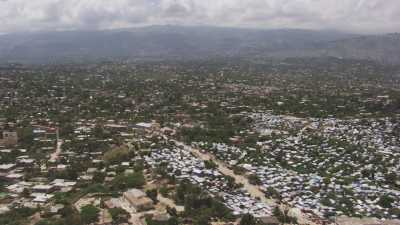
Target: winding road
[{"x": 253, "y": 190}]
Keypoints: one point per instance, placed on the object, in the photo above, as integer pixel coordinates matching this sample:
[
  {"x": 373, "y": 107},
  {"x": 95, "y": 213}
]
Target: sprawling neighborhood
[{"x": 222, "y": 143}]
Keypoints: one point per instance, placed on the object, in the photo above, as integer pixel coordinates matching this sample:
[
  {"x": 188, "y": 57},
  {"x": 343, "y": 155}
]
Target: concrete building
[{"x": 138, "y": 200}]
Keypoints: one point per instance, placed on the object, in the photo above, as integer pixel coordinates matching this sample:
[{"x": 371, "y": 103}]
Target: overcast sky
[{"x": 361, "y": 16}]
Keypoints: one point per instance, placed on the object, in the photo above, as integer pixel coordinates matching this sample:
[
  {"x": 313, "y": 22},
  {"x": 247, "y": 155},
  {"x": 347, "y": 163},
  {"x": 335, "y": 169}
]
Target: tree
[
  {"x": 66, "y": 129},
  {"x": 26, "y": 193},
  {"x": 220, "y": 210},
  {"x": 89, "y": 214},
  {"x": 98, "y": 132},
  {"x": 164, "y": 191},
  {"x": 96, "y": 188},
  {"x": 116, "y": 155},
  {"x": 132, "y": 180},
  {"x": 135, "y": 180},
  {"x": 238, "y": 170},
  {"x": 273, "y": 193},
  {"x": 283, "y": 216},
  {"x": 202, "y": 219},
  {"x": 386, "y": 201},
  {"x": 209, "y": 164},
  {"x": 152, "y": 194},
  {"x": 16, "y": 216},
  {"x": 72, "y": 174},
  {"x": 391, "y": 178},
  {"x": 173, "y": 221},
  {"x": 99, "y": 177},
  {"x": 248, "y": 220},
  {"x": 172, "y": 211},
  {"x": 62, "y": 197},
  {"x": 254, "y": 179},
  {"x": 230, "y": 181},
  {"x": 51, "y": 222},
  {"x": 119, "y": 215},
  {"x": 70, "y": 215},
  {"x": 25, "y": 135}
]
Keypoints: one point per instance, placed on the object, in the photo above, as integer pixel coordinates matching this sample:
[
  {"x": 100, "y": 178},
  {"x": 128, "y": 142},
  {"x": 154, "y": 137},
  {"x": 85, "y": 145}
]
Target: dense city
[{"x": 295, "y": 141}]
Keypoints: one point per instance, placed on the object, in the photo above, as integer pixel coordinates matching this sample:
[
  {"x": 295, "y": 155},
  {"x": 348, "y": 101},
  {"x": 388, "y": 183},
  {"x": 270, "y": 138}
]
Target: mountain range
[{"x": 179, "y": 42}]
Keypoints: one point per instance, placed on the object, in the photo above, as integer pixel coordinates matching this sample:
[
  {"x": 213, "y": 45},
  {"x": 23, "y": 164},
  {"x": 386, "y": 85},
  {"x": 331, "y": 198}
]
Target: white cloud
[{"x": 349, "y": 15}]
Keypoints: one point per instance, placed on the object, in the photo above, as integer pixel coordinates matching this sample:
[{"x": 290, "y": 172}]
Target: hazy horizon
[
  {"x": 350, "y": 16},
  {"x": 132, "y": 28}
]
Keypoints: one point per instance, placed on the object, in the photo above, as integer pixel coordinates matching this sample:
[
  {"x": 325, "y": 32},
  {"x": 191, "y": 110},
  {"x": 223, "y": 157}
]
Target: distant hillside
[
  {"x": 174, "y": 42},
  {"x": 383, "y": 48}
]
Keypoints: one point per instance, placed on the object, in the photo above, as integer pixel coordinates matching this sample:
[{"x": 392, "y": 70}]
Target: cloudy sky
[{"x": 362, "y": 16}]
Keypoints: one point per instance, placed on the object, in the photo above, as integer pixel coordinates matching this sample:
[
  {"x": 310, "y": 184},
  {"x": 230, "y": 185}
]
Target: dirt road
[
  {"x": 54, "y": 156},
  {"x": 254, "y": 190}
]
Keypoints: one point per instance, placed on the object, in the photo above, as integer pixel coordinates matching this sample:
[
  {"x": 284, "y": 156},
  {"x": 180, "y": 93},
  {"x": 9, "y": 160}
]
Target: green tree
[
  {"x": 25, "y": 135},
  {"x": 202, "y": 219},
  {"x": 391, "y": 178},
  {"x": 135, "y": 180},
  {"x": 386, "y": 201},
  {"x": 51, "y": 222},
  {"x": 153, "y": 193},
  {"x": 132, "y": 180},
  {"x": 248, "y": 220},
  {"x": 283, "y": 216},
  {"x": 89, "y": 214},
  {"x": 116, "y": 155},
  {"x": 209, "y": 164},
  {"x": 254, "y": 179},
  {"x": 173, "y": 221},
  {"x": 26, "y": 193},
  {"x": 119, "y": 215},
  {"x": 99, "y": 177}
]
